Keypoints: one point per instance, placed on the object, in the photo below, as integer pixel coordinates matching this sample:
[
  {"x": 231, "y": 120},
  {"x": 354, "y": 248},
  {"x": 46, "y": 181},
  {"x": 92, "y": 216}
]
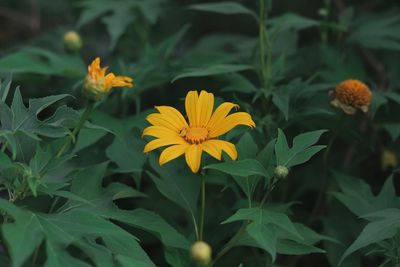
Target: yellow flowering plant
[
  {"x": 289, "y": 157},
  {"x": 201, "y": 133},
  {"x": 98, "y": 84}
]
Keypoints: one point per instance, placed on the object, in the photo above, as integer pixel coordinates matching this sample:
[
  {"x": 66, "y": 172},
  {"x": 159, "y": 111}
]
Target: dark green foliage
[{"x": 291, "y": 198}]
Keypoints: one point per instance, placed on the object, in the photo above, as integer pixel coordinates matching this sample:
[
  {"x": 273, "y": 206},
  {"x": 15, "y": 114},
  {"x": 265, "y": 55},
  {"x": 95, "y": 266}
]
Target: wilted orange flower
[
  {"x": 201, "y": 133},
  {"x": 351, "y": 95},
  {"x": 98, "y": 84}
]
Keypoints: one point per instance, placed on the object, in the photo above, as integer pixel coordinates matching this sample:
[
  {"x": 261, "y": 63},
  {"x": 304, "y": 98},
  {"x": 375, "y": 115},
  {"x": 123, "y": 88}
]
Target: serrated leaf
[
  {"x": 301, "y": 151},
  {"x": 385, "y": 227}
]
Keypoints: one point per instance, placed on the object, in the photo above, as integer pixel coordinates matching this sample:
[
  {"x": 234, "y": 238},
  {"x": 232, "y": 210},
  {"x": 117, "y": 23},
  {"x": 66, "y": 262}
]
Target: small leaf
[
  {"x": 227, "y": 8},
  {"x": 242, "y": 168},
  {"x": 212, "y": 70}
]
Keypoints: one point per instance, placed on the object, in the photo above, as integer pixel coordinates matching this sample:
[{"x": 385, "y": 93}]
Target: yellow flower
[
  {"x": 351, "y": 95},
  {"x": 98, "y": 84},
  {"x": 200, "y": 134}
]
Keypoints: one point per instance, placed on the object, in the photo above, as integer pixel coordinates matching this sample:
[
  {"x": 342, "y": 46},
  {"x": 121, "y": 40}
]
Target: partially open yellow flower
[
  {"x": 98, "y": 84},
  {"x": 200, "y": 134},
  {"x": 351, "y": 95}
]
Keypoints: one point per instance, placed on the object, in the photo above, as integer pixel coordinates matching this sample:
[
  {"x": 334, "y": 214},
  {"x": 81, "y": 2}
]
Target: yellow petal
[
  {"x": 191, "y": 107},
  {"x": 231, "y": 121},
  {"x": 172, "y": 152},
  {"x": 117, "y": 81},
  {"x": 205, "y": 106},
  {"x": 158, "y": 119},
  {"x": 220, "y": 113},
  {"x": 193, "y": 157},
  {"x": 174, "y": 114},
  {"x": 95, "y": 65},
  {"x": 220, "y": 145},
  {"x": 213, "y": 150},
  {"x": 159, "y": 132},
  {"x": 160, "y": 142}
]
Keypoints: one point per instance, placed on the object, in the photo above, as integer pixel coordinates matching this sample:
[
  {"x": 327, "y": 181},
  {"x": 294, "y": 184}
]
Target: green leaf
[
  {"x": 101, "y": 203},
  {"x": 28, "y": 230},
  {"x": 246, "y": 147},
  {"x": 117, "y": 22},
  {"x": 177, "y": 183},
  {"x": 153, "y": 223},
  {"x": 212, "y": 70},
  {"x": 126, "y": 152},
  {"x": 393, "y": 129},
  {"x": 238, "y": 83},
  {"x": 301, "y": 151},
  {"x": 281, "y": 101},
  {"x": 292, "y": 21},
  {"x": 40, "y": 61},
  {"x": 386, "y": 226},
  {"x": 120, "y": 15},
  {"x": 378, "y": 31},
  {"x": 242, "y": 168},
  {"x": 265, "y": 236},
  {"x": 5, "y": 88},
  {"x": 357, "y": 195},
  {"x": 5, "y": 161},
  {"x": 275, "y": 233},
  {"x": 227, "y": 8},
  {"x": 278, "y": 219}
]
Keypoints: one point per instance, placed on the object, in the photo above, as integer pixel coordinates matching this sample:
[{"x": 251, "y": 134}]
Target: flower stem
[
  {"x": 271, "y": 187},
  {"x": 203, "y": 205},
  {"x": 86, "y": 114},
  {"x": 261, "y": 35},
  {"x": 230, "y": 244}
]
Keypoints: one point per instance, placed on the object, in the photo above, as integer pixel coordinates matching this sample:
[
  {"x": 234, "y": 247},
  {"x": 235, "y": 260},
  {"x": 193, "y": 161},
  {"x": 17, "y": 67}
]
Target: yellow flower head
[
  {"x": 201, "y": 133},
  {"x": 351, "y": 95},
  {"x": 98, "y": 84}
]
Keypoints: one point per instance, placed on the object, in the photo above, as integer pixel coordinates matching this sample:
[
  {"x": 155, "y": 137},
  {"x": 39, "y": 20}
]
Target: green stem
[
  {"x": 203, "y": 205},
  {"x": 85, "y": 116},
  {"x": 230, "y": 244},
  {"x": 35, "y": 255},
  {"x": 4, "y": 146},
  {"x": 261, "y": 34},
  {"x": 271, "y": 187}
]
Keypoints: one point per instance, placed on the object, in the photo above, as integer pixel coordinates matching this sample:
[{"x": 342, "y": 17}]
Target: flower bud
[
  {"x": 388, "y": 160},
  {"x": 72, "y": 41},
  {"x": 201, "y": 253},
  {"x": 281, "y": 172}
]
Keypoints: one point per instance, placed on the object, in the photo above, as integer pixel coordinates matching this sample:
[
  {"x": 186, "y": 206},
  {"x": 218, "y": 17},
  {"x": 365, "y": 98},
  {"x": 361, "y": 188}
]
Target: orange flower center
[
  {"x": 354, "y": 93},
  {"x": 195, "y": 135}
]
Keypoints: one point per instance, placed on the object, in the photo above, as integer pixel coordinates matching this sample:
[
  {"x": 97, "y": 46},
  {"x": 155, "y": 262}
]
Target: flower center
[{"x": 195, "y": 135}]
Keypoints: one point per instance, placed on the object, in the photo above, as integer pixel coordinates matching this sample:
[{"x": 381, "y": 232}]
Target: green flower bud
[
  {"x": 281, "y": 172},
  {"x": 72, "y": 41},
  {"x": 201, "y": 253}
]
